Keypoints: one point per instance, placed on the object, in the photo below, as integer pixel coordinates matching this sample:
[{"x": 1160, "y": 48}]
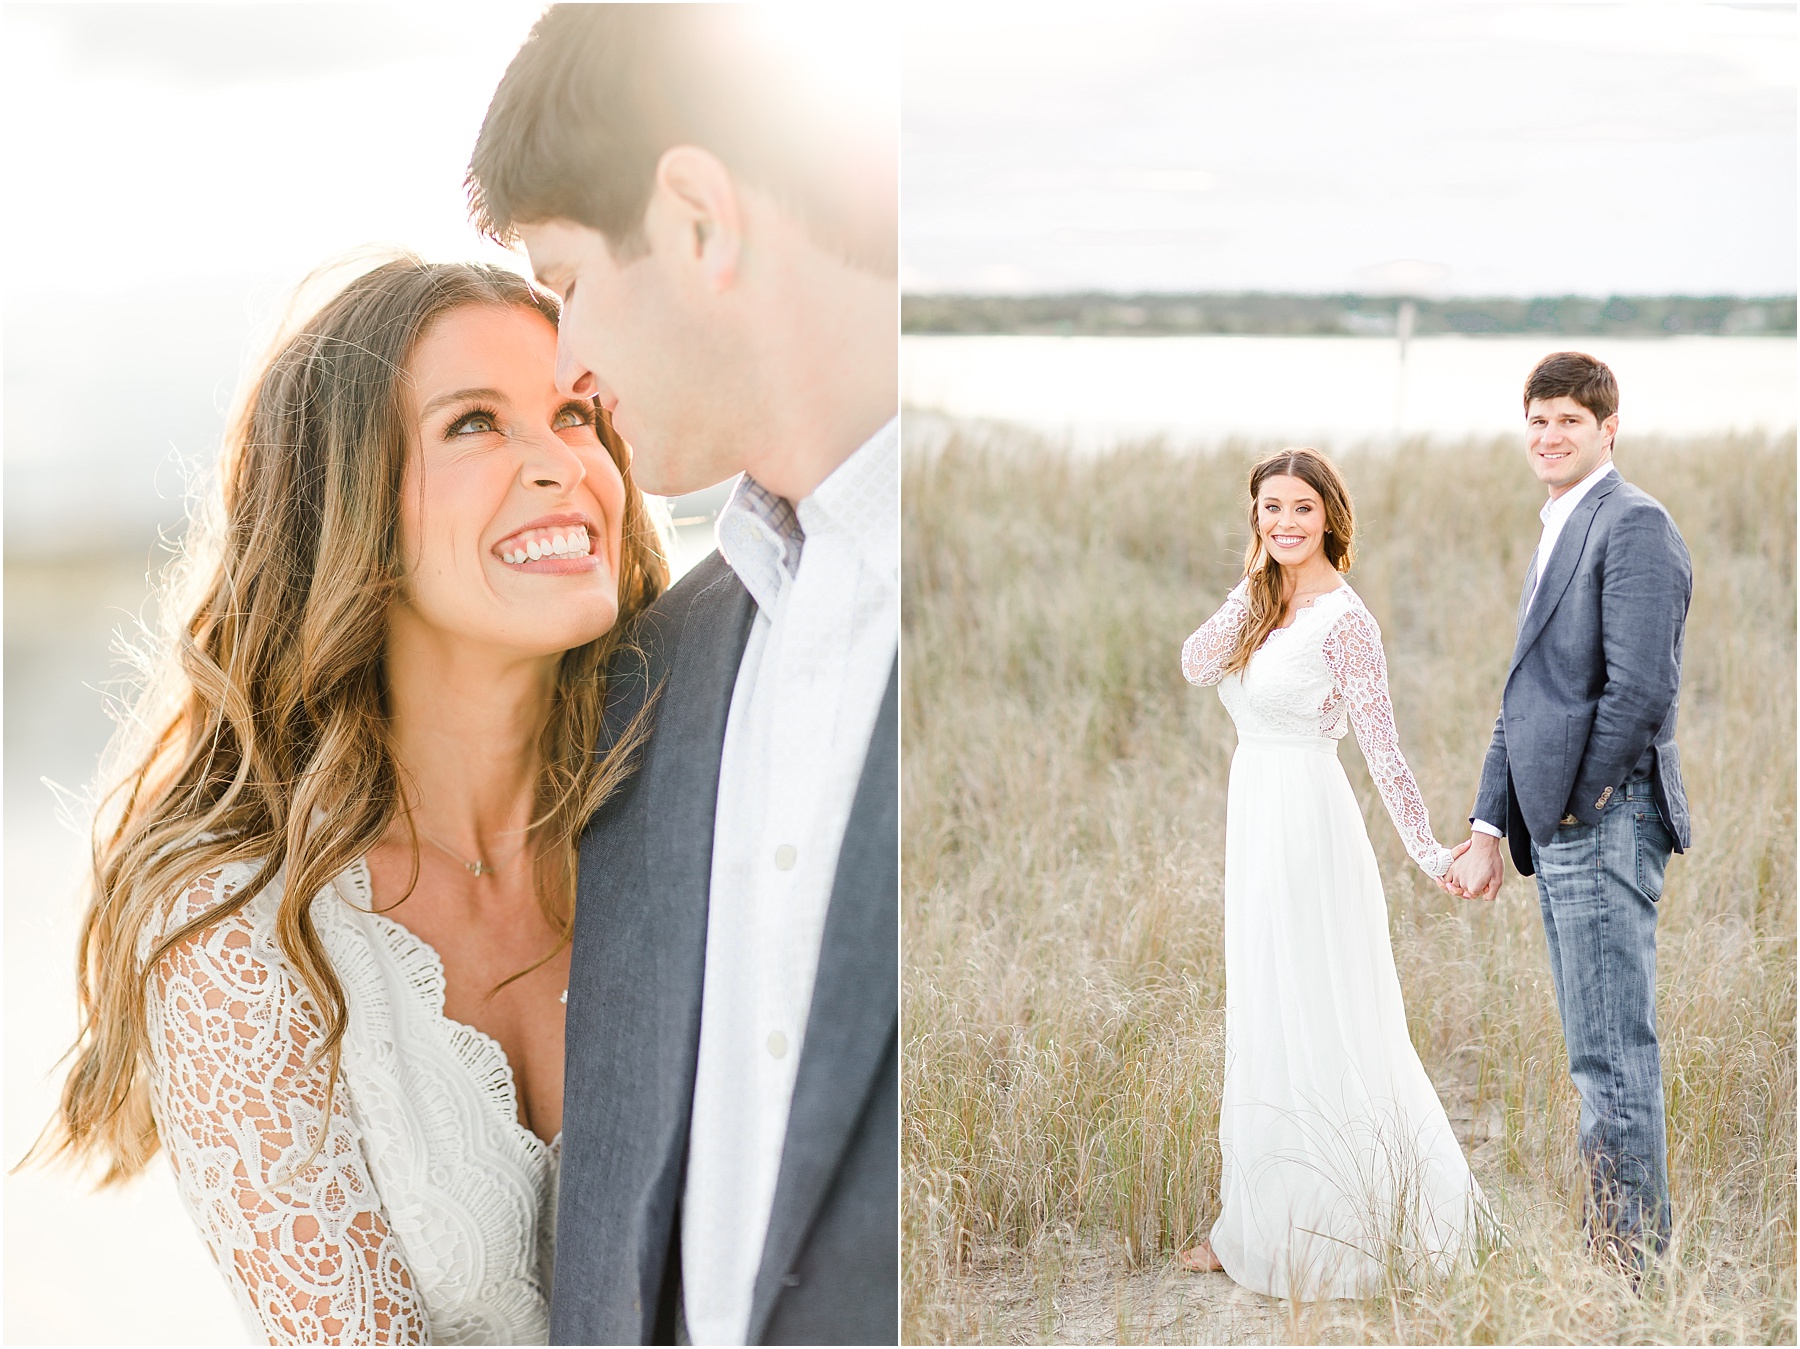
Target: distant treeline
[{"x": 1146, "y": 315}]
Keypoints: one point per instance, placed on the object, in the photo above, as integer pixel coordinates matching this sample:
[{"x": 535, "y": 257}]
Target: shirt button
[
  {"x": 777, "y": 1045},
  {"x": 784, "y": 857}
]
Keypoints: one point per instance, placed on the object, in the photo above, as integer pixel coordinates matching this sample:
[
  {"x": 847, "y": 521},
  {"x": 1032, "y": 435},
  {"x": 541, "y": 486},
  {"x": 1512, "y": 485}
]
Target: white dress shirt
[
  {"x": 1555, "y": 515},
  {"x": 826, "y": 581}
]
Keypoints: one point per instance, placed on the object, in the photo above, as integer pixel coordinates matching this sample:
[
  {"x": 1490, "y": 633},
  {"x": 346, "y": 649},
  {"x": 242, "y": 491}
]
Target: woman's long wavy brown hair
[
  {"x": 1268, "y": 594},
  {"x": 265, "y": 704}
]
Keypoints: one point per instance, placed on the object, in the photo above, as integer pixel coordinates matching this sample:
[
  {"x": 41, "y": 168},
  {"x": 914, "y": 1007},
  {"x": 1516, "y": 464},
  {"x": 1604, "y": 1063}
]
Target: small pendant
[{"x": 476, "y": 868}]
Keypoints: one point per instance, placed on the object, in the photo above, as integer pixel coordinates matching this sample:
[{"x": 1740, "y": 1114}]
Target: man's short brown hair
[
  {"x": 1575, "y": 374},
  {"x": 599, "y": 92}
]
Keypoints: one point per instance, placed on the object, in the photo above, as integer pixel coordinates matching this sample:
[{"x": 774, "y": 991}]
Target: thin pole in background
[{"x": 1403, "y": 331}]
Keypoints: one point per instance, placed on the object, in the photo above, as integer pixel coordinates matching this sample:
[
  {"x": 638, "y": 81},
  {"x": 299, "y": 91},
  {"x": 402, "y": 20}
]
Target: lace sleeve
[
  {"x": 1203, "y": 655},
  {"x": 304, "y": 1243},
  {"x": 1359, "y": 674}
]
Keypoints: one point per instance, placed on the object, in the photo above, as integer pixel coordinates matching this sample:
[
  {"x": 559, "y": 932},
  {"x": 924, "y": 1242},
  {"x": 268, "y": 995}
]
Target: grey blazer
[
  {"x": 830, "y": 1262},
  {"x": 1595, "y": 674}
]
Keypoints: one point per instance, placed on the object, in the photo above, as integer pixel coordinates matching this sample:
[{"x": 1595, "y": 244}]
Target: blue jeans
[{"x": 1598, "y": 886}]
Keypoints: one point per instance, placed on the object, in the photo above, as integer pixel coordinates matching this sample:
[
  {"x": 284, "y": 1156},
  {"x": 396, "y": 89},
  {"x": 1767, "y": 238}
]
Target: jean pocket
[{"x": 1653, "y": 846}]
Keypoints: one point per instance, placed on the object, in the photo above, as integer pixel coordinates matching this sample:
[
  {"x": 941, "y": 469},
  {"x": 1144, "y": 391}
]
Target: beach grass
[{"x": 1063, "y": 800}]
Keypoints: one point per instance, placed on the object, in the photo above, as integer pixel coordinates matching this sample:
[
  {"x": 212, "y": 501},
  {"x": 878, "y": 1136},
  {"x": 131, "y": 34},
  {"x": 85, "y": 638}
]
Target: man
[
  {"x": 723, "y": 232},
  {"x": 1583, "y": 781}
]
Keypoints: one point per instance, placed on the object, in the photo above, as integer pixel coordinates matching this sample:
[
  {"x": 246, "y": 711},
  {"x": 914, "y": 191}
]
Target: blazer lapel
[
  {"x": 855, "y": 1009},
  {"x": 681, "y": 791},
  {"x": 1526, "y": 594},
  {"x": 639, "y": 963},
  {"x": 683, "y": 788},
  {"x": 1560, "y": 569}
]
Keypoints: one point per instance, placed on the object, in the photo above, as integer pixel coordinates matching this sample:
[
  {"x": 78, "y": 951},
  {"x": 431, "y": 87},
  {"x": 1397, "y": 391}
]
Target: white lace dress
[
  {"x": 427, "y": 1215},
  {"x": 1338, "y": 1160}
]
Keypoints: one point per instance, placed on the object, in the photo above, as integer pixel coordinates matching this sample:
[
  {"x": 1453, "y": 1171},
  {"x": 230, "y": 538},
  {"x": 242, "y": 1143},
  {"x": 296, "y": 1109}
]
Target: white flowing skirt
[{"x": 1339, "y": 1161}]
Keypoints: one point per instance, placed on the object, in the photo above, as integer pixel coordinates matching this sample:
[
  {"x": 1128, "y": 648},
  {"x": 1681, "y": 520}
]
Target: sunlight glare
[{"x": 848, "y": 53}]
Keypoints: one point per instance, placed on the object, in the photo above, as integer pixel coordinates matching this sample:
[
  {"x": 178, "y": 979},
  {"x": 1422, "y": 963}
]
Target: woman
[
  {"x": 1339, "y": 1162},
  {"x": 326, "y": 953}
]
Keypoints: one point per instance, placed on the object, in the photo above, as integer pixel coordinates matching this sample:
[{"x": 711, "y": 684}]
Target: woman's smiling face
[
  {"x": 511, "y": 506},
  {"x": 1290, "y": 518}
]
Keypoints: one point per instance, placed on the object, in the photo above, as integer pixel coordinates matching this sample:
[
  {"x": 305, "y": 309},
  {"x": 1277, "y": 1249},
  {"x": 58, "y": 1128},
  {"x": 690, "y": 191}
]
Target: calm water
[{"x": 1331, "y": 390}]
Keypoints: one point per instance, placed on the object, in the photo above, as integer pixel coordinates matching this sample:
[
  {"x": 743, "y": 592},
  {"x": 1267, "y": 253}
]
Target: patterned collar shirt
[{"x": 825, "y": 576}]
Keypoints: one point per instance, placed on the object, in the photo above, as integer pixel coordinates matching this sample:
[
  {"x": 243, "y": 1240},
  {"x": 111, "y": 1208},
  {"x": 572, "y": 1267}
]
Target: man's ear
[
  {"x": 1610, "y": 428},
  {"x": 702, "y": 214}
]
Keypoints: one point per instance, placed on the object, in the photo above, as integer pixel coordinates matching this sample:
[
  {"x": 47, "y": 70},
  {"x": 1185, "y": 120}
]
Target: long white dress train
[{"x": 1338, "y": 1159}]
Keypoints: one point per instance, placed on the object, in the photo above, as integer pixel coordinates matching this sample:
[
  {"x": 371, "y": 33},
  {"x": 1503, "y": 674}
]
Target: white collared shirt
[
  {"x": 826, "y": 581},
  {"x": 1555, "y": 514}
]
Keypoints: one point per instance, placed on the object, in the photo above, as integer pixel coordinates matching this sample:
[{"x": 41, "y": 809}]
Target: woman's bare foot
[{"x": 1200, "y": 1259}]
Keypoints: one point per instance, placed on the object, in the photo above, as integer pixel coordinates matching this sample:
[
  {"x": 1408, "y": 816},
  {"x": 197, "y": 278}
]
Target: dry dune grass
[{"x": 1064, "y": 795}]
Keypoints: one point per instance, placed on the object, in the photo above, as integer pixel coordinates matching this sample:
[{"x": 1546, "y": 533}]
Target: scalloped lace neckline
[
  {"x": 1309, "y": 607},
  {"x": 363, "y": 901}
]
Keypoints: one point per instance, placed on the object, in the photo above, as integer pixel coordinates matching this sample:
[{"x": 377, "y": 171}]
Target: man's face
[
  {"x": 1563, "y": 442},
  {"x": 638, "y": 336}
]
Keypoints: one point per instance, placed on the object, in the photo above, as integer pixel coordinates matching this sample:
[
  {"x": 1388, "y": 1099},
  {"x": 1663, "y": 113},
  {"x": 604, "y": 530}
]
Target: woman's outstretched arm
[
  {"x": 1203, "y": 655},
  {"x": 275, "y": 1179},
  {"x": 1358, "y": 668}
]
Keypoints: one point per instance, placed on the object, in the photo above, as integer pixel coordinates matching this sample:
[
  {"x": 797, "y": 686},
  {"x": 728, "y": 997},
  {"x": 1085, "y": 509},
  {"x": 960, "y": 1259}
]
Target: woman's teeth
[{"x": 546, "y": 543}]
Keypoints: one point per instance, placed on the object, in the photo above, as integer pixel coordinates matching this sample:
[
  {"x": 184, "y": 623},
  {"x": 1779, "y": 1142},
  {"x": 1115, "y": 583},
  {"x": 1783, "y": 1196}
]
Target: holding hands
[{"x": 1475, "y": 868}]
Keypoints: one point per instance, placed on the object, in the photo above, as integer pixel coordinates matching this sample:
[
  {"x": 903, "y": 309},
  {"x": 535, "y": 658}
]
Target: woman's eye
[
  {"x": 573, "y": 415},
  {"x": 472, "y": 423}
]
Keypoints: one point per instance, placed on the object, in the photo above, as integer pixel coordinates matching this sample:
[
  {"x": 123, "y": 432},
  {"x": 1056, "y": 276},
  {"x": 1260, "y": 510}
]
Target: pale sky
[
  {"x": 1471, "y": 148},
  {"x": 162, "y": 141},
  {"x": 174, "y": 169}
]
